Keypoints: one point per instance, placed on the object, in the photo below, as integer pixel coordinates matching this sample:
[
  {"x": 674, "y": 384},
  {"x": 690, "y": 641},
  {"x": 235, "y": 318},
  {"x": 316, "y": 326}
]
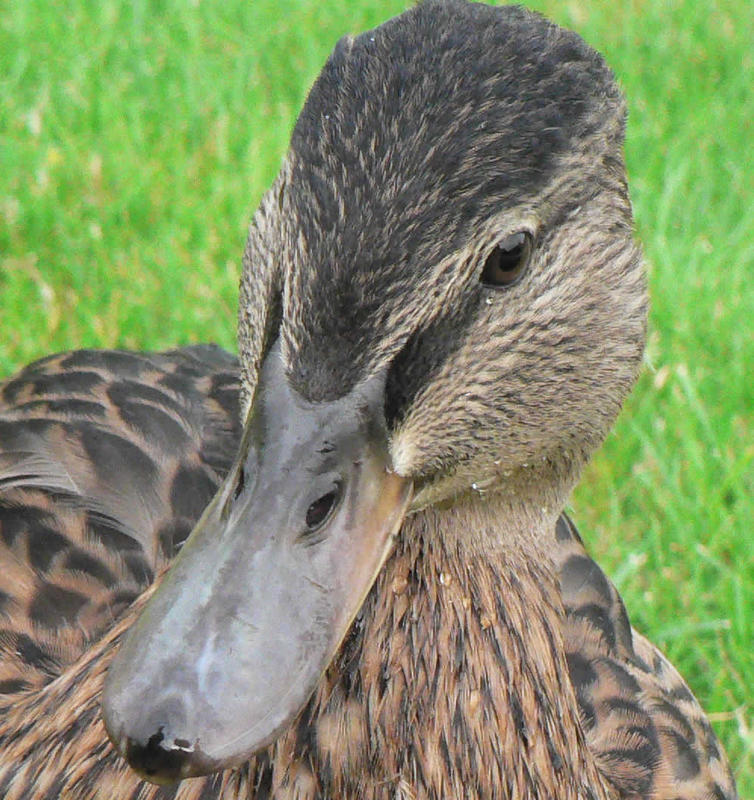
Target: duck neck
[{"x": 453, "y": 681}]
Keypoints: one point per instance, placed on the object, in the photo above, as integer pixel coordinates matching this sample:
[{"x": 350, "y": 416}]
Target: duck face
[{"x": 441, "y": 289}]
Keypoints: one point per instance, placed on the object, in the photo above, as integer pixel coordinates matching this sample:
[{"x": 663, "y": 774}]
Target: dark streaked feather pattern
[
  {"x": 492, "y": 658},
  {"x": 106, "y": 461},
  {"x": 452, "y": 671}
]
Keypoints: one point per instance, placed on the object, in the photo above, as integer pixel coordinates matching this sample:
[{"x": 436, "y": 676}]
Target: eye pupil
[
  {"x": 507, "y": 261},
  {"x": 320, "y": 509}
]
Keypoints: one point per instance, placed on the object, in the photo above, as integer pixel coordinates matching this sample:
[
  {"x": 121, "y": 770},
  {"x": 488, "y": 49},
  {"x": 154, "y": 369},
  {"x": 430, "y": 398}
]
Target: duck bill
[{"x": 238, "y": 634}]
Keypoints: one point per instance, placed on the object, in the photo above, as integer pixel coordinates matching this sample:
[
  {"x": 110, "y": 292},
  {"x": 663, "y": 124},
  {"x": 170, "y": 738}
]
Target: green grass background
[{"x": 137, "y": 137}]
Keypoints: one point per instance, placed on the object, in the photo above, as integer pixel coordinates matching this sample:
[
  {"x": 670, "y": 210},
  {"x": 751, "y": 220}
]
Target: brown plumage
[
  {"x": 491, "y": 657},
  {"x": 107, "y": 459},
  {"x": 454, "y": 682}
]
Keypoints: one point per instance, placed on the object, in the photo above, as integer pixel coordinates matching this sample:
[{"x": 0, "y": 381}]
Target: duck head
[{"x": 441, "y": 296}]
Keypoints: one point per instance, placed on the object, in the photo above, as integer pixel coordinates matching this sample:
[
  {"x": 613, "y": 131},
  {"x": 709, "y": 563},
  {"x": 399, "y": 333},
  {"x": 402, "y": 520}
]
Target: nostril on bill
[
  {"x": 320, "y": 509},
  {"x": 241, "y": 483}
]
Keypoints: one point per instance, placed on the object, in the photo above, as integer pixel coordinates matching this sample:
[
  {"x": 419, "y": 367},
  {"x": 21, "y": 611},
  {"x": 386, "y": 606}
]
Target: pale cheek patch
[{"x": 403, "y": 453}]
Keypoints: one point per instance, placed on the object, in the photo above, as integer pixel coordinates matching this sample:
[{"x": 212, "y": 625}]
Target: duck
[
  {"x": 341, "y": 568},
  {"x": 107, "y": 460}
]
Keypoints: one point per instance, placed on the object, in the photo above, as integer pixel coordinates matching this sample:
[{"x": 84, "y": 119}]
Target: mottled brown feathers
[
  {"x": 649, "y": 736},
  {"x": 107, "y": 459},
  {"x": 494, "y": 678},
  {"x": 492, "y": 659}
]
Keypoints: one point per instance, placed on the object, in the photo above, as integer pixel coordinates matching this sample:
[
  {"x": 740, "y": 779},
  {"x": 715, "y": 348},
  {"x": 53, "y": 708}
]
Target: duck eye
[
  {"x": 320, "y": 509},
  {"x": 508, "y": 261}
]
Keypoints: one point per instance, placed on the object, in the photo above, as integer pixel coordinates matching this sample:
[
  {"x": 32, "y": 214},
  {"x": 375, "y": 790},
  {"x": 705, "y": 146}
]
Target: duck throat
[{"x": 452, "y": 683}]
